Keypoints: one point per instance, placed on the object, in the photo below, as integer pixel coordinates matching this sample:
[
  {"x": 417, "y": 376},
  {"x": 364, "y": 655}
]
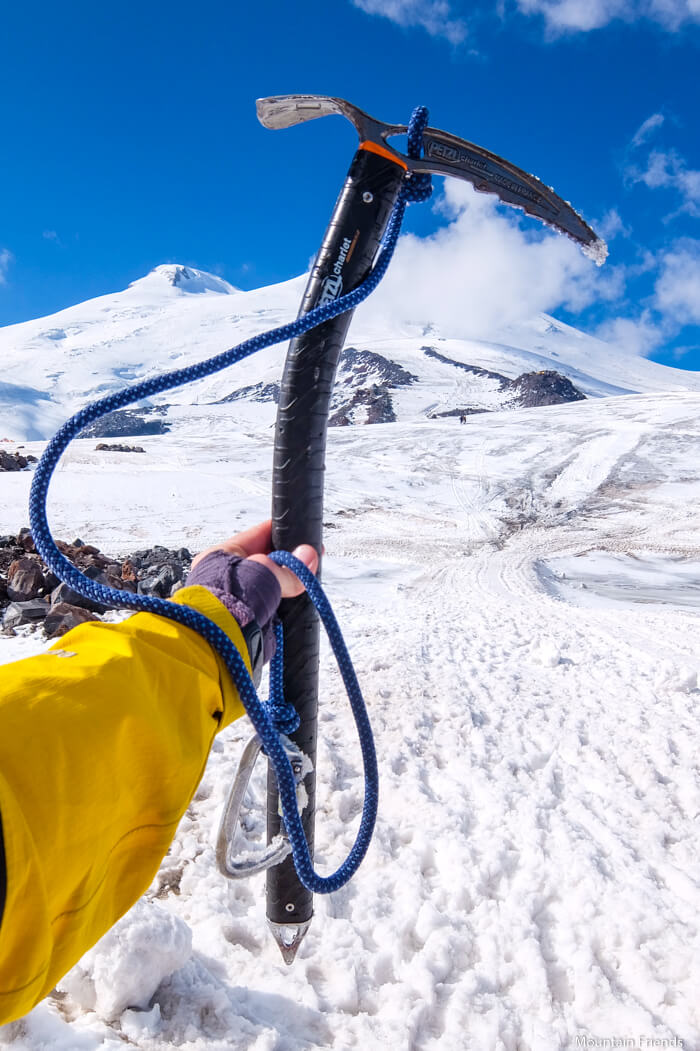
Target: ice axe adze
[{"x": 346, "y": 255}]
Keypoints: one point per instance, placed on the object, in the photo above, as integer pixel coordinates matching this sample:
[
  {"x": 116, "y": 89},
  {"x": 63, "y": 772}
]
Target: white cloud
[
  {"x": 569, "y": 16},
  {"x": 612, "y": 226},
  {"x": 6, "y": 258},
  {"x": 640, "y": 335},
  {"x": 435, "y": 16},
  {"x": 677, "y": 289},
  {"x": 488, "y": 267},
  {"x": 673, "y": 305},
  {"x": 668, "y": 170},
  {"x": 647, "y": 128},
  {"x": 50, "y": 235}
]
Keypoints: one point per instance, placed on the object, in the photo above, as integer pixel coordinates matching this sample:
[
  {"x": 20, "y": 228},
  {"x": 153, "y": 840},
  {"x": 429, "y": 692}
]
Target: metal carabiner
[{"x": 280, "y": 847}]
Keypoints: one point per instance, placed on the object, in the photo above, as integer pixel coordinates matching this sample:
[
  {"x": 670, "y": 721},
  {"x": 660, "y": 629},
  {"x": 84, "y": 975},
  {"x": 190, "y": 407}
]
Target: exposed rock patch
[
  {"x": 15, "y": 461},
  {"x": 456, "y": 412},
  {"x": 476, "y": 370},
  {"x": 544, "y": 388},
  {"x": 104, "y": 447},
  {"x": 529, "y": 390},
  {"x": 31, "y": 594},
  {"x": 269, "y": 392},
  {"x": 362, "y": 392},
  {"x": 128, "y": 423}
]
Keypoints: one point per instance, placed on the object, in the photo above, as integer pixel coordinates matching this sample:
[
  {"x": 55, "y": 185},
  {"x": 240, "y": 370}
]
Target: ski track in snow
[{"x": 535, "y": 873}]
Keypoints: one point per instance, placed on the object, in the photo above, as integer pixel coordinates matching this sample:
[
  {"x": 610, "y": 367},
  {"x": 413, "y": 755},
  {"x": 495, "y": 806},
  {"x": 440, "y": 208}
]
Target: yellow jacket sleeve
[{"x": 103, "y": 741}]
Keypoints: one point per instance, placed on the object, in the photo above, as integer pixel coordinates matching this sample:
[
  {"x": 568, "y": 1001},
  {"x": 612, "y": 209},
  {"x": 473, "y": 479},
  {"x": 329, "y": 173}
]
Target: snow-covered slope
[
  {"x": 176, "y": 315},
  {"x": 534, "y": 880}
]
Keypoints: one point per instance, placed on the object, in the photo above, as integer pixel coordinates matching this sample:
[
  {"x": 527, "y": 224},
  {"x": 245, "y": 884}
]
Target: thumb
[{"x": 290, "y": 585}]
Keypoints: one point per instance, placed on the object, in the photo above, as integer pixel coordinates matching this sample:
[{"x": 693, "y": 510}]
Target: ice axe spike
[{"x": 445, "y": 154}]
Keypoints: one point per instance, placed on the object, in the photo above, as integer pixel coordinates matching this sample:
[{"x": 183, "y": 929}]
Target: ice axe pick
[{"x": 443, "y": 154}]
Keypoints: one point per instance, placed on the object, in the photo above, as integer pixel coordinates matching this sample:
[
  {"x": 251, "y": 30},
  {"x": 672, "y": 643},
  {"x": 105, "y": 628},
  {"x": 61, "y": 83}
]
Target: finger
[
  {"x": 289, "y": 583},
  {"x": 255, "y": 540}
]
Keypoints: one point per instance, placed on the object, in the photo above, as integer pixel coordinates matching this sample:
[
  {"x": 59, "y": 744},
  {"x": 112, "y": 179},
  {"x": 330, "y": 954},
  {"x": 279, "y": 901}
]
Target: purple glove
[{"x": 249, "y": 591}]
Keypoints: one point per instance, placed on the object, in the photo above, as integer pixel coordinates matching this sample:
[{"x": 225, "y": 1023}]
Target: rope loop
[
  {"x": 283, "y": 715},
  {"x": 418, "y": 186},
  {"x": 276, "y": 716}
]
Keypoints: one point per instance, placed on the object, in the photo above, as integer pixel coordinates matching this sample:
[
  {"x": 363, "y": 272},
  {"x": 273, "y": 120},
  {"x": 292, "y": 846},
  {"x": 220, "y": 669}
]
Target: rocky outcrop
[
  {"x": 476, "y": 370},
  {"x": 31, "y": 594},
  {"x": 543, "y": 388},
  {"x": 456, "y": 412},
  {"x": 62, "y": 617},
  {"x": 530, "y": 389},
  {"x": 127, "y": 423},
  {"x": 367, "y": 405},
  {"x": 25, "y": 579},
  {"x": 103, "y": 447},
  {"x": 264, "y": 392},
  {"x": 15, "y": 461},
  {"x": 362, "y": 393}
]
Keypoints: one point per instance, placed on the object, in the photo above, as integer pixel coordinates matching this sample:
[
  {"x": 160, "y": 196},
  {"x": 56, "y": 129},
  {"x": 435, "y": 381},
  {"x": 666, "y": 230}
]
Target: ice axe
[{"x": 372, "y": 187}]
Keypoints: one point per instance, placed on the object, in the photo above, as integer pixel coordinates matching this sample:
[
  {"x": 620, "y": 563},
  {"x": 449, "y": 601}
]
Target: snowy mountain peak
[{"x": 185, "y": 279}]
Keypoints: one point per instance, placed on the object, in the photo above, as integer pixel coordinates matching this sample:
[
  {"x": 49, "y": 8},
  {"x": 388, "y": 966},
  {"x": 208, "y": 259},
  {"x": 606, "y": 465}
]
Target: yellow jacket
[{"x": 103, "y": 741}]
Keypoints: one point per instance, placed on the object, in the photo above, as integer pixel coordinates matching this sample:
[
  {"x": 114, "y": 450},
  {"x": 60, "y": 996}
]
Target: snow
[{"x": 534, "y": 879}]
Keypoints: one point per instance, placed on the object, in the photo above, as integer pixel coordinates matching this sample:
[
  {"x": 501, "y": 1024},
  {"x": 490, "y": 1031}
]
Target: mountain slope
[{"x": 177, "y": 315}]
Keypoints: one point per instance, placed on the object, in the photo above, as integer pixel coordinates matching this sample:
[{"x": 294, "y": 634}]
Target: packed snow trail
[{"x": 534, "y": 879}]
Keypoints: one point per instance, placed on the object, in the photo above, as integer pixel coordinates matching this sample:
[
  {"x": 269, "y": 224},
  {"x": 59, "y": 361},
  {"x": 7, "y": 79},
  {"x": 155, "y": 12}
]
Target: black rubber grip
[{"x": 344, "y": 260}]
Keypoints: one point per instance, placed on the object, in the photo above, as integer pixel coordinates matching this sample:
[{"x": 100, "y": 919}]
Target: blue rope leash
[{"x": 268, "y": 720}]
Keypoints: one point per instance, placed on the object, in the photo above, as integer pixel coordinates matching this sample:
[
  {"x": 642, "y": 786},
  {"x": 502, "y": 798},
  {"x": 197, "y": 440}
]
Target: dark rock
[
  {"x": 262, "y": 392},
  {"x": 24, "y": 580},
  {"x": 376, "y": 403},
  {"x": 51, "y": 581},
  {"x": 65, "y": 594},
  {"x": 362, "y": 392},
  {"x": 11, "y": 461},
  {"x": 25, "y": 612},
  {"x": 161, "y": 583},
  {"x": 104, "y": 447},
  {"x": 64, "y": 616},
  {"x": 476, "y": 370},
  {"x": 549, "y": 387},
  {"x": 129, "y": 572},
  {"x": 367, "y": 366},
  {"x": 159, "y": 570},
  {"x": 125, "y": 423},
  {"x": 455, "y": 412}
]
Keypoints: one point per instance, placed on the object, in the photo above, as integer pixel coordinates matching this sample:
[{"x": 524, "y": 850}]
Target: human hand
[
  {"x": 255, "y": 544},
  {"x": 247, "y": 582}
]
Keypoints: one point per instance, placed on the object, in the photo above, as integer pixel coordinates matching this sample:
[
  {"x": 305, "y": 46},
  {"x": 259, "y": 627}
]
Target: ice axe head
[{"x": 444, "y": 154}]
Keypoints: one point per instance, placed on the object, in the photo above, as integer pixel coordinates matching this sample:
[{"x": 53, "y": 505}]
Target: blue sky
[{"x": 130, "y": 139}]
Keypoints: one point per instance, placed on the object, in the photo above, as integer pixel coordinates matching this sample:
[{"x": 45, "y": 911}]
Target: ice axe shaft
[{"x": 344, "y": 260}]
